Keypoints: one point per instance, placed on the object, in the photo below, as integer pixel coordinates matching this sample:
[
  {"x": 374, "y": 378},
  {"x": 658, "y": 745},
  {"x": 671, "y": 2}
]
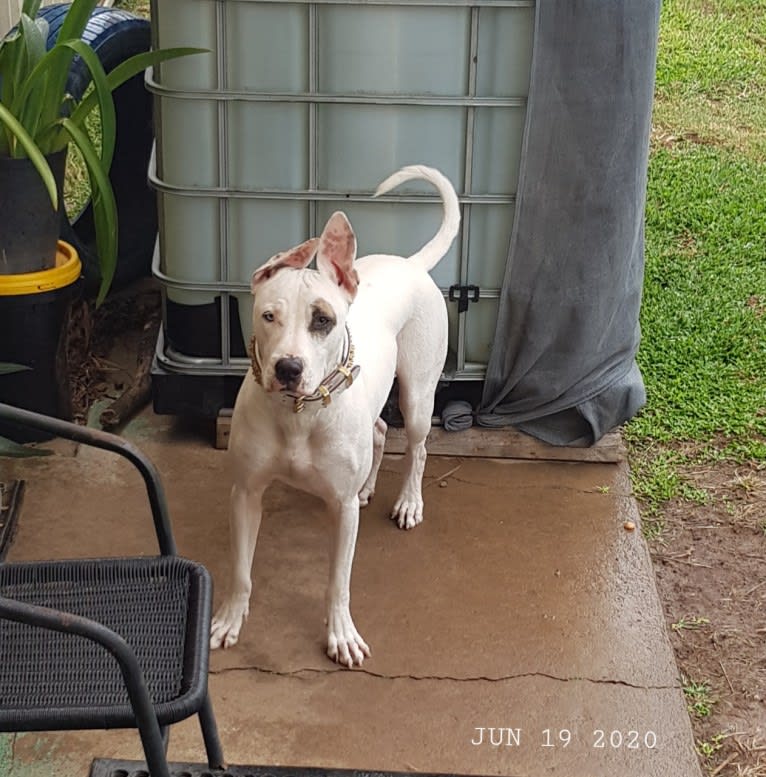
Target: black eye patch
[{"x": 322, "y": 319}]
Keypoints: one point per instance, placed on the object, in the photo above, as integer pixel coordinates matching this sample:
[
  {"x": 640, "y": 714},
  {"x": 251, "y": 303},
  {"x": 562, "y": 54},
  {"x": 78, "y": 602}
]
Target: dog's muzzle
[{"x": 289, "y": 369}]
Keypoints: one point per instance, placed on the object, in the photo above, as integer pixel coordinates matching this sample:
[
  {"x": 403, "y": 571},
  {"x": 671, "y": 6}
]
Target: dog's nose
[{"x": 288, "y": 370}]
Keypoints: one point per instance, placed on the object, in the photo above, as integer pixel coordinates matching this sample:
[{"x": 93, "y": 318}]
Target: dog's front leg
[
  {"x": 244, "y": 522},
  {"x": 344, "y": 644}
]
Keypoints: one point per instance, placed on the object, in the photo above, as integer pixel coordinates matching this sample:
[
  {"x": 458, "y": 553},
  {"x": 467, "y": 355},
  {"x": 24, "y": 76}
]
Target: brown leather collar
[{"x": 338, "y": 380}]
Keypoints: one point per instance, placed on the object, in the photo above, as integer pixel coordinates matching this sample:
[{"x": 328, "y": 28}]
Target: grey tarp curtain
[{"x": 563, "y": 364}]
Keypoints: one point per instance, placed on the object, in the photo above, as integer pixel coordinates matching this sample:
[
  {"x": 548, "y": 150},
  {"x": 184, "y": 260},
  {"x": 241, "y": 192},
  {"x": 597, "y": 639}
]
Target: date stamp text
[{"x": 597, "y": 739}]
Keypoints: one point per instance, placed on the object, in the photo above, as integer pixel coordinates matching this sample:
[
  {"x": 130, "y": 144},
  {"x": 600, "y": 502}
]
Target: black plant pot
[
  {"x": 34, "y": 321},
  {"x": 30, "y": 226}
]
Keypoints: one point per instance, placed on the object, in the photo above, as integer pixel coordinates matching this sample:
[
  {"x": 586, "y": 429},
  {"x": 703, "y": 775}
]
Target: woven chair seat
[
  {"x": 107, "y": 643},
  {"x": 160, "y": 607}
]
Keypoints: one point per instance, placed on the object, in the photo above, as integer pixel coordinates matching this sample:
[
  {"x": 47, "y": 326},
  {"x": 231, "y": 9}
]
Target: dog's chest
[{"x": 297, "y": 461}]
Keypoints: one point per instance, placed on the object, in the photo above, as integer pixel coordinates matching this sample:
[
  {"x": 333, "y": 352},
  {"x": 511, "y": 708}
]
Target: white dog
[{"x": 308, "y": 410}]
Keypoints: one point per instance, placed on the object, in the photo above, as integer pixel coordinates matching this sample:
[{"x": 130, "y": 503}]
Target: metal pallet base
[{"x": 204, "y": 394}]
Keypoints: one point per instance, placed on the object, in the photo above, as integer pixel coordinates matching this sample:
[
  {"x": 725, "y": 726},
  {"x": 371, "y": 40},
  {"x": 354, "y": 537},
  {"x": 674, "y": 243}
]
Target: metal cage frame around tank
[{"x": 222, "y": 95}]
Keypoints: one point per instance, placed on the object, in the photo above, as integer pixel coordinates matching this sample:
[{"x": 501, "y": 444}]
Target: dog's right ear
[{"x": 297, "y": 258}]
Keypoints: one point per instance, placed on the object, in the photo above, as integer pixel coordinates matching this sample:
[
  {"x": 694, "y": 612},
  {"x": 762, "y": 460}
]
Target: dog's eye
[
  {"x": 268, "y": 316},
  {"x": 322, "y": 319},
  {"x": 321, "y": 322}
]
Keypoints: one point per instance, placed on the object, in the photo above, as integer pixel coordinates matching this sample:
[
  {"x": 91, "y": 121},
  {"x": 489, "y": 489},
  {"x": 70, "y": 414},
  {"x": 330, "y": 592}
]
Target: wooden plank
[
  {"x": 505, "y": 443},
  {"x": 508, "y": 443},
  {"x": 223, "y": 429}
]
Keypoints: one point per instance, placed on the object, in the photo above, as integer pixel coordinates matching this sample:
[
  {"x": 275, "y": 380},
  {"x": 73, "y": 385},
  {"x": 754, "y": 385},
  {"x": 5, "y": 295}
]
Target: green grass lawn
[
  {"x": 703, "y": 320},
  {"x": 711, "y": 73},
  {"x": 140, "y": 7}
]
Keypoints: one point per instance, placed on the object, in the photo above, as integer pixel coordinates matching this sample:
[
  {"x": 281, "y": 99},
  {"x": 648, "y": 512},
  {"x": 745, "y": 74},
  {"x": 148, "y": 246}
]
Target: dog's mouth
[
  {"x": 289, "y": 373},
  {"x": 293, "y": 388},
  {"x": 287, "y": 388},
  {"x": 277, "y": 387}
]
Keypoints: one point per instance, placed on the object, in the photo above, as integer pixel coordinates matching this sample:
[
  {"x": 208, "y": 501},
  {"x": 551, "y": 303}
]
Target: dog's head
[{"x": 299, "y": 315}]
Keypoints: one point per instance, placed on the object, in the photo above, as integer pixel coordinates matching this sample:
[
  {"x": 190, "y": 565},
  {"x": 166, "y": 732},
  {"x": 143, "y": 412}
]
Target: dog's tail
[{"x": 434, "y": 249}]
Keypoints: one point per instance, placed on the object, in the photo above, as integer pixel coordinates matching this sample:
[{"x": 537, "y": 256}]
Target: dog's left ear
[
  {"x": 297, "y": 258},
  {"x": 337, "y": 251}
]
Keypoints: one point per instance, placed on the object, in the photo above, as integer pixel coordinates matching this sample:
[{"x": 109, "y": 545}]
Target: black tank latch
[{"x": 463, "y": 299}]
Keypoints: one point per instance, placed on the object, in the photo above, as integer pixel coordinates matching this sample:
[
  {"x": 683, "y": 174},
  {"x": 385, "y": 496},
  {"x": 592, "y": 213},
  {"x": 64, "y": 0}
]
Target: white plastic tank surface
[{"x": 300, "y": 109}]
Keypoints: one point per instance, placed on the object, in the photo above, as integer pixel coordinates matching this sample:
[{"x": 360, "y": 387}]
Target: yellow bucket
[{"x": 67, "y": 270}]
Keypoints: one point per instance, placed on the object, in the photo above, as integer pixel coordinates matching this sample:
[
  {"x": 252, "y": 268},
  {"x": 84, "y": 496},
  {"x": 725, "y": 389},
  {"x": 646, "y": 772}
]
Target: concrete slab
[{"x": 517, "y": 631}]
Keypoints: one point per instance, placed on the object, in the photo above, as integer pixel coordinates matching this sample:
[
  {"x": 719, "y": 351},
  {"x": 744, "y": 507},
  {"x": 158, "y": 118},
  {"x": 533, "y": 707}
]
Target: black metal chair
[{"x": 107, "y": 643}]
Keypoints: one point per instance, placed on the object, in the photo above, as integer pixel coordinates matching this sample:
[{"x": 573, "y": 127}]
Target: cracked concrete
[
  {"x": 520, "y": 604},
  {"x": 445, "y": 678}
]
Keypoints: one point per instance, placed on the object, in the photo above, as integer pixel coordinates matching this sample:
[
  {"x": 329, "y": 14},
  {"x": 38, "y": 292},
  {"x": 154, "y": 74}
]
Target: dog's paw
[
  {"x": 365, "y": 496},
  {"x": 344, "y": 644},
  {"x": 227, "y": 622},
  {"x": 407, "y": 513}
]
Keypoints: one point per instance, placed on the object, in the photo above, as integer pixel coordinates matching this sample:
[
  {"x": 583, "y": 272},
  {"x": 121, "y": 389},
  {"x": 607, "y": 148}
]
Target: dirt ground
[
  {"x": 709, "y": 560},
  {"x": 106, "y": 347},
  {"x": 711, "y": 574}
]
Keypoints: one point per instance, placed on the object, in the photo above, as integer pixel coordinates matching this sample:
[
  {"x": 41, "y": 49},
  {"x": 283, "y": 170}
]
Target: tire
[{"x": 114, "y": 36}]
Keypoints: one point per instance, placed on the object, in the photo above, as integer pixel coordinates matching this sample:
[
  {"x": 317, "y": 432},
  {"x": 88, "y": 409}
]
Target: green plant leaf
[
  {"x": 40, "y": 118},
  {"x": 7, "y": 369},
  {"x": 28, "y": 54},
  {"x": 33, "y": 36},
  {"x": 105, "y": 101},
  {"x": 13, "y": 60},
  {"x": 104, "y": 206},
  {"x": 20, "y": 49},
  {"x": 31, "y": 7},
  {"x": 33, "y": 152},
  {"x": 45, "y": 78},
  {"x": 35, "y": 104},
  {"x": 76, "y": 19}
]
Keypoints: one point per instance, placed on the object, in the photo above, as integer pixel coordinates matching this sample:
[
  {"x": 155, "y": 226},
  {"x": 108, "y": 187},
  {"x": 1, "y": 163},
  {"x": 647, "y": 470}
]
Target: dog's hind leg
[
  {"x": 245, "y": 520},
  {"x": 378, "y": 444},
  {"x": 422, "y": 346},
  {"x": 417, "y": 405}
]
